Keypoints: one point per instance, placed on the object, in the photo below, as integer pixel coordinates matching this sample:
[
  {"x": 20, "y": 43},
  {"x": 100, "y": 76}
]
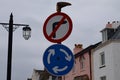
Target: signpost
[{"x": 58, "y": 59}]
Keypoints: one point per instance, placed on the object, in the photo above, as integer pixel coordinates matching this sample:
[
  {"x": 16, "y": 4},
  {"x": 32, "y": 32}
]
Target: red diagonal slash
[{"x": 57, "y": 27}]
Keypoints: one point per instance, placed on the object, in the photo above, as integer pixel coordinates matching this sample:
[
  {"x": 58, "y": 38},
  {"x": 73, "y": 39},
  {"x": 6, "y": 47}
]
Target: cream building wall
[{"x": 111, "y": 69}]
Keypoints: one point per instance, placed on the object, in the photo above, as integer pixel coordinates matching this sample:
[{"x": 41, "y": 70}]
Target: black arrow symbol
[{"x": 54, "y": 25}]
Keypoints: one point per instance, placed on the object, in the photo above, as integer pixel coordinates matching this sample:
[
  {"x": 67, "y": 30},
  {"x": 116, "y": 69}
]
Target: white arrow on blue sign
[{"x": 58, "y": 59}]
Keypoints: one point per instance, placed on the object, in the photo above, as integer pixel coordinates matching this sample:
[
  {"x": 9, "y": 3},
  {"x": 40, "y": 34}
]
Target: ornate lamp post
[{"x": 10, "y": 27}]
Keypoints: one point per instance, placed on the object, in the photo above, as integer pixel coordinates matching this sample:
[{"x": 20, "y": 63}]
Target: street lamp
[
  {"x": 26, "y": 32},
  {"x": 10, "y": 27},
  {"x": 26, "y": 29}
]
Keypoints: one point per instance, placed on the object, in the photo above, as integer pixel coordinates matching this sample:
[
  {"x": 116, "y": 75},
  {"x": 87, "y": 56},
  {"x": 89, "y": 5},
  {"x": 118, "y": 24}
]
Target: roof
[
  {"x": 39, "y": 71},
  {"x": 105, "y": 29},
  {"x": 89, "y": 48}
]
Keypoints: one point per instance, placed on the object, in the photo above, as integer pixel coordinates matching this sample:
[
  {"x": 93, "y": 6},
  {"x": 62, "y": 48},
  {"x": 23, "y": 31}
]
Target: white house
[{"x": 106, "y": 57}]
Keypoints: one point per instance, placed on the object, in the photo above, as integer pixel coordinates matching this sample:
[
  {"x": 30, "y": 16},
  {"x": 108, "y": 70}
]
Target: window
[
  {"x": 102, "y": 59},
  {"x": 73, "y": 70},
  {"x": 82, "y": 62},
  {"x": 103, "y": 78}
]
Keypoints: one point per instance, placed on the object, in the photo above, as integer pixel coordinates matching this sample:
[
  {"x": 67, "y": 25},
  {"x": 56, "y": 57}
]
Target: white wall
[
  {"x": 116, "y": 52},
  {"x": 112, "y": 62}
]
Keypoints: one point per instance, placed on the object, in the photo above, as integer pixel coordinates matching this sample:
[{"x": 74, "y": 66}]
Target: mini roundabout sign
[{"x": 58, "y": 60}]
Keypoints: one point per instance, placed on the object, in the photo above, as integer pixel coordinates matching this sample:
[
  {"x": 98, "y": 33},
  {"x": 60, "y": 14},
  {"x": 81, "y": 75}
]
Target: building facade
[
  {"x": 106, "y": 57},
  {"x": 82, "y": 66},
  {"x": 37, "y": 74},
  {"x": 42, "y": 75}
]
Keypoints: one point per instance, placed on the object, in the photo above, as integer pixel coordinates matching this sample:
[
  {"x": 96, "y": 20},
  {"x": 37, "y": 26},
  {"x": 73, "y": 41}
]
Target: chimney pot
[
  {"x": 78, "y": 48},
  {"x": 109, "y": 25}
]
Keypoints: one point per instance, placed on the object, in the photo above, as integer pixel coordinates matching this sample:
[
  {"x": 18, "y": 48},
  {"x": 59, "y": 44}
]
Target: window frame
[
  {"x": 103, "y": 78},
  {"x": 102, "y": 60}
]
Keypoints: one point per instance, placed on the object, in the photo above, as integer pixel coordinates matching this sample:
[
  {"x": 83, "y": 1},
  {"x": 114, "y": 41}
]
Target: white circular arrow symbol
[
  {"x": 51, "y": 52},
  {"x": 56, "y": 69},
  {"x": 68, "y": 57}
]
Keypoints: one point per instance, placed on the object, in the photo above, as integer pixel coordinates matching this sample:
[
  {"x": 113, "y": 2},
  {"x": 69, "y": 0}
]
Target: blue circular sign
[{"x": 58, "y": 59}]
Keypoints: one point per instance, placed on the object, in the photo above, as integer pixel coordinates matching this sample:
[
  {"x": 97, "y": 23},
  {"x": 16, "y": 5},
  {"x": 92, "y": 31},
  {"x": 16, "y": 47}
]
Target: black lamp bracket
[{"x": 15, "y": 26}]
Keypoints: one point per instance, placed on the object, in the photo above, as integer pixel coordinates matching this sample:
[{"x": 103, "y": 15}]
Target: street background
[{"x": 88, "y": 16}]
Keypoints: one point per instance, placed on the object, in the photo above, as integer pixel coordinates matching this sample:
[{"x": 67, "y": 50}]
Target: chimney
[
  {"x": 108, "y": 31},
  {"x": 78, "y": 48}
]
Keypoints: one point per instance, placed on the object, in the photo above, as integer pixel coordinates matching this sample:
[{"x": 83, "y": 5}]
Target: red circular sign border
[{"x": 68, "y": 33}]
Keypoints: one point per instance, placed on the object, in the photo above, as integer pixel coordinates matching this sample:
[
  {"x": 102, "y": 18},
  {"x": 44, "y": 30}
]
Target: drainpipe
[{"x": 90, "y": 64}]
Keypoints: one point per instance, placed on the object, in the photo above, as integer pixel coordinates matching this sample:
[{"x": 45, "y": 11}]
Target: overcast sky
[{"x": 88, "y": 16}]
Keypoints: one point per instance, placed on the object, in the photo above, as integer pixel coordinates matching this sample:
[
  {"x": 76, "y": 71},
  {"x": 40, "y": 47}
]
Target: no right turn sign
[{"x": 57, "y": 27}]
